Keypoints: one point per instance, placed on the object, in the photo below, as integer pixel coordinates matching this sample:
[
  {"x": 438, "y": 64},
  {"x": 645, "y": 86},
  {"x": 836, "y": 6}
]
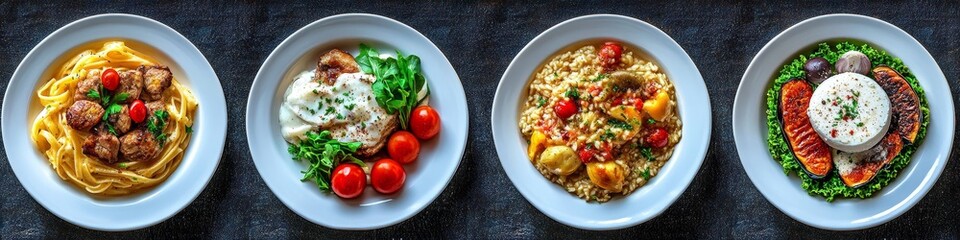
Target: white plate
[
  {"x": 648, "y": 201},
  {"x": 74, "y": 205},
  {"x": 750, "y": 126},
  {"x": 426, "y": 178}
]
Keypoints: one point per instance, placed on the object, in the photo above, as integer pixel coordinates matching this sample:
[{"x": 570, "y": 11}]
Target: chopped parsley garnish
[
  {"x": 157, "y": 123},
  {"x": 189, "y": 129},
  {"x": 572, "y": 93},
  {"x": 541, "y": 101},
  {"x": 647, "y": 153},
  {"x": 645, "y": 174},
  {"x": 599, "y": 77},
  {"x": 651, "y": 121},
  {"x": 350, "y": 106},
  {"x": 620, "y": 124}
]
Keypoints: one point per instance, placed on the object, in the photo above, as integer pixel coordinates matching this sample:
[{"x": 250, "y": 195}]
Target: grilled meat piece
[
  {"x": 90, "y": 82},
  {"x": 83, "y": 115},
  {"x": 103, "y": 146},
  {"x": 156, "y": 79},
  {"x": 121, "y": 121},
  {"x": 139, "y": 145},
  {"x": 131, "y": 83},
  {"x": 334, "y": 63}
]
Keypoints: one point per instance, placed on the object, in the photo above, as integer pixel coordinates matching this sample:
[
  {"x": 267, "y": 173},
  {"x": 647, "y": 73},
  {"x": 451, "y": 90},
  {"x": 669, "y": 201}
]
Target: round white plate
[
  {"x": 648, "y": 201},
  {"x": 74, "y": 205},
  {"x": 426, "y": 177},
  {"x": 750, "y": 126}
]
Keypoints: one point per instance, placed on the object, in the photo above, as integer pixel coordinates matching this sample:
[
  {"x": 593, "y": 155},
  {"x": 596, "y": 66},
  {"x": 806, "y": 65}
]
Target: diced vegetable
[
  {"x": 560, "y": 160},
  {"x": 659, "y": 107},
  {"x": 537, "y": 144}
]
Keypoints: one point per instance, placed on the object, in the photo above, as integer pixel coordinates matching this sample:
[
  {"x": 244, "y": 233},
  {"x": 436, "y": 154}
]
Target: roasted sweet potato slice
[
  {"x": 857, "y": 169},
  {"x": 807, "y": 146},
  {"x": 904, "y": 102}
]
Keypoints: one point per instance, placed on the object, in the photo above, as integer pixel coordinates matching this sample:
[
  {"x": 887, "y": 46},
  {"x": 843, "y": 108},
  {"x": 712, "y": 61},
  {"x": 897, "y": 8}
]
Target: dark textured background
[{"x": 481, "y": 38}]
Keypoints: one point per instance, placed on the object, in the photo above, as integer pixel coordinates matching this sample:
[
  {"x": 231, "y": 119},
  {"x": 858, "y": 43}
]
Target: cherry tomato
[
  {"x": 610, "y": 55},
  {"x": 387, "y": 176},
  {"x": 587, "y": 154},
  {"x": 638, "y": 103},
  {"x": 348, "y": 180},
  {"x": 565, "y": 108},
  {"x": 403, "y": 147},
  {"x": 138, "y": 111},
  {"x": 657, "y": 138},
  {"x": 110, "y": 79},
  {"x": 424, "y": 122}
]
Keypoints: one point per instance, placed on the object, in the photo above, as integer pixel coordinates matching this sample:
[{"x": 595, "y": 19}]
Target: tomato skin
[
  {"x": 657, "y": 138},
  {"x": 110, "y": 79},
  {"x": 586, "y": 154},
  {"x": 565, "y": 108},
  {"x": 138, "y": 111},
  {"x": 387, "y": 176},
  {"x": 348, "y": 180},
  {"x": 424, "y": 122},
  {"x": 403, "y": 147},
  {"x": 610, "y": 55}
]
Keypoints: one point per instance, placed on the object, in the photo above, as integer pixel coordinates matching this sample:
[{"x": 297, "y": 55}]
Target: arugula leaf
[
  {"x": 399, "y": 81},
  {"x": 323, "y": 153}
]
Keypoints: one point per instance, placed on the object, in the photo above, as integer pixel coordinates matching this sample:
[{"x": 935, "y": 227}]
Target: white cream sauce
[{"x": 347, "y": 108}]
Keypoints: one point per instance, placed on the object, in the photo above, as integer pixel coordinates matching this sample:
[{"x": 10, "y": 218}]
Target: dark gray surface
[{"x": 481, "y": 38}]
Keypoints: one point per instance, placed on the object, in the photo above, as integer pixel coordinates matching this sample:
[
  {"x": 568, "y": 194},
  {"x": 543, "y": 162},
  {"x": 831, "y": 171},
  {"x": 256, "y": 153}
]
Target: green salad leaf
[
  {"x": 324, "y": 153},
  {"x": 399, "y": 81},
  {"x": 831, "y": 186}
]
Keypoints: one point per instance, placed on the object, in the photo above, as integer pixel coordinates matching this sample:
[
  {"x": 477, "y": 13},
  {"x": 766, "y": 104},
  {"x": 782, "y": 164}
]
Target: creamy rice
[{"x": 580, "y": 70}]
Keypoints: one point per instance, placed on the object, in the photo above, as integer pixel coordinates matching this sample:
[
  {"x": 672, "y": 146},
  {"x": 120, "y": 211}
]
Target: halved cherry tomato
[
  {"x": 110, "y": 79},
  {"x": 610, "y": 55},
  {"x": 348, "y": 180},
  {"x": 403, "y": 147},
  {"x": 138, "y": 111},
  {"x": 587, "y": 154},
  {"x": 657, "y": 138},
  {"x": 565, "y": 108},
  {"x": 424, "y": 122},
  {"x": 387, "y": 176}
]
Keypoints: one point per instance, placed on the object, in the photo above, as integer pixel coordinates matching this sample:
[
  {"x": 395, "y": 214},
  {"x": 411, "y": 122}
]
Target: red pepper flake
[
  {"x": 851, "y": 132},
  {"x": 834, "y": 103},
  {"x": 833, "y": 133}
]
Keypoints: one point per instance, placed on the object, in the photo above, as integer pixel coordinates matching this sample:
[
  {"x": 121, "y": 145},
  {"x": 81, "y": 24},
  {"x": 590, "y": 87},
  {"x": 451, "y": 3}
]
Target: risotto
[{"x": 600, "y": 121}]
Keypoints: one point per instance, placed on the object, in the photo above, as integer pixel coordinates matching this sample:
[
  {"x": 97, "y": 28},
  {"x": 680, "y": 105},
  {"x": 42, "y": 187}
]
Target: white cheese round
[{"x": 850, "y": 112}]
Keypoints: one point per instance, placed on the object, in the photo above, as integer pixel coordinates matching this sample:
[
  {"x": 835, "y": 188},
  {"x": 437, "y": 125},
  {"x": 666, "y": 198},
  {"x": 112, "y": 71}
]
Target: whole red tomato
[
  {"x": 610, "y": 55},
  {"x": 403, "y": 147},
  {"x": 565, "y": 108},
  {"x": 387, "y": 176},
  {"x": 424, "y": 122},
  {"x": 348, "y": 180},
  {"x": 110, "y": 79},
  {"x": 657, "y": 138}
]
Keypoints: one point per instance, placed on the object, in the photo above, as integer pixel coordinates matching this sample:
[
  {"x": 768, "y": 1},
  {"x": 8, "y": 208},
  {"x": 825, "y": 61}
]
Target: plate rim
[
  {"x": 899, "y": 209},
  {"x": 153, "y": 218},
  {"x": 703, "y": 143},
  {"x": 308, "y": 27}
]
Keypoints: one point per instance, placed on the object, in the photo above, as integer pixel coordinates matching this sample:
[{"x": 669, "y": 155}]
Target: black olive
[{"x": 818, "y": 69}]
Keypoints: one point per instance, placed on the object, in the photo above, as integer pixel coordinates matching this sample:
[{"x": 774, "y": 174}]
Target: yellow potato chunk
[
  {"x": 560, "y": 160},
  {"x": 537, "y": 143},
  {"x": 659, "y": 107},
  {"x": 607, "y": 175}
]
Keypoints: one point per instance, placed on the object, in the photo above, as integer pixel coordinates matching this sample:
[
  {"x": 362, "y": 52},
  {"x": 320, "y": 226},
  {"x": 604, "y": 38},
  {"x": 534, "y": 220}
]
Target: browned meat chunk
[
  {"x": 139, "y": 145},
  {"x": 131, "y": 83},
  {"x": 103, "y": 146},
  {"x": 91, "y": 82},
  {"x": 156, "y": 79},
  {"x": 334, "y": 63},
  {"x": 84, "y": 114},
  {"x": 153, "y": 107},
  {"x": 121, "y": 121}
]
